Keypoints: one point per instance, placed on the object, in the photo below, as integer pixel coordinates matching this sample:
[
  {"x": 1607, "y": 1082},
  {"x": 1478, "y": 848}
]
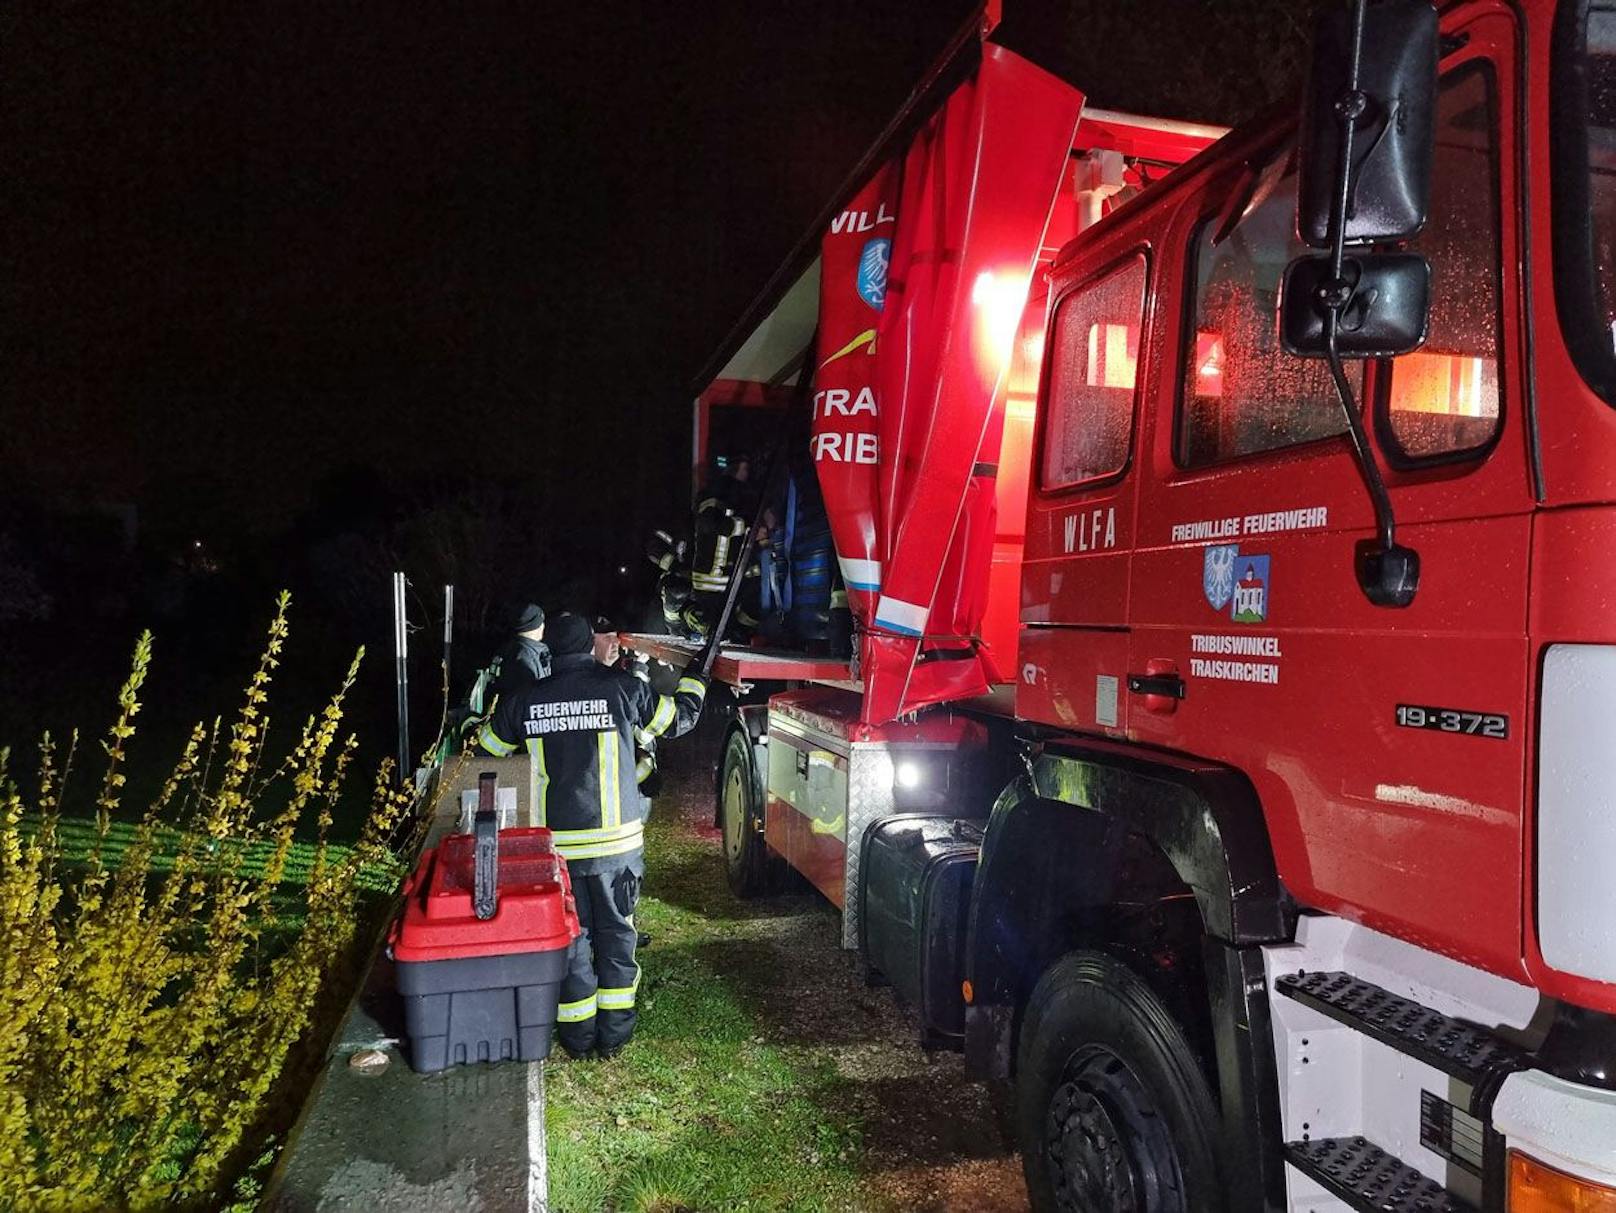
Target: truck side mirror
[
  {"x": 1385, "y": 306},
  {"x": 1367, "y": 143},
  {"x": 1374, "y": 75},
  {"x": 1393, "y": 108}
]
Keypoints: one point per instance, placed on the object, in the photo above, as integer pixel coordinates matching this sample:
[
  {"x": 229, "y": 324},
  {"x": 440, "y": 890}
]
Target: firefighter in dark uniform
[
  {"x": 578, "y": 727},
  {"x": 674, "y": 592},
  {"x": 720, "y": 529},
  {"x": 525, "y": 659}
]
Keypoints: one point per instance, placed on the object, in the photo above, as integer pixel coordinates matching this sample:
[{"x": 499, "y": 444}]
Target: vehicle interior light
[
  {"x": 1536, "y": 1188},
  {"x": 908, "y": 775}
]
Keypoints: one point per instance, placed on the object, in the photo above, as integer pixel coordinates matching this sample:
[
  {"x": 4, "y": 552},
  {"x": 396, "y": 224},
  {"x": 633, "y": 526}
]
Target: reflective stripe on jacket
[{"x": 578, "y": 729}]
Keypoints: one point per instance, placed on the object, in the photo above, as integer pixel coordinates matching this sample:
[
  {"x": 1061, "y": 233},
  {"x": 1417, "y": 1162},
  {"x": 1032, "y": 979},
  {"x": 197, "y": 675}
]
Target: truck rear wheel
[
  {"x": 740, "y": 818},
  {"x": 1113, "y": 1114}
]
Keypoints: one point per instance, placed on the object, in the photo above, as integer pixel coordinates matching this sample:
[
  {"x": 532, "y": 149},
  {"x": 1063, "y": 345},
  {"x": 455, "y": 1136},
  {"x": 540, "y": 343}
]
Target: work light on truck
[
  {"x": 999, "y": 299},
  {"x": 918, "y": 786}
]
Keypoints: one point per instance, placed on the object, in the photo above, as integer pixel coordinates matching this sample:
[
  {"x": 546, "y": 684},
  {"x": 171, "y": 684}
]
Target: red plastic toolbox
[{"x": 484, "y": 988}]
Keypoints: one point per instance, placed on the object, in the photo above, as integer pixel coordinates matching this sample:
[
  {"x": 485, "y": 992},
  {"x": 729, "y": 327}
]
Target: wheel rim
[
  {"x": 1107, "y": 1146},
  {"x": 734, "y": 811}
]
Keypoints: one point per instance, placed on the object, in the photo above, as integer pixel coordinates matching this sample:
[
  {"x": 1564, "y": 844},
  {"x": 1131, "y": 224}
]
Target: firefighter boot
[
  {"x": 613, "y": 895},
  {"x": 575, "y": 1018},
  {"x": 597, "y": 1013}
]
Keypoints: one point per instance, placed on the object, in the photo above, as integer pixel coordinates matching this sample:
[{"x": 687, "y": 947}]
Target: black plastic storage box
[
  {"x": 481, "y": 1008},
  {"x": 481, "y": 947},
  {"x": 916, "y": 874}
]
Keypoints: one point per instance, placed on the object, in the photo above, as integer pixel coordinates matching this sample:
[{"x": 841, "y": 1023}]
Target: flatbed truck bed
[{"x": 741, "y": 666}]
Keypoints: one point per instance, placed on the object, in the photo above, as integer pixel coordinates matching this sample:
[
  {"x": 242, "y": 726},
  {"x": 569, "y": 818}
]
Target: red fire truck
[{"x": 1227, "y": 767}]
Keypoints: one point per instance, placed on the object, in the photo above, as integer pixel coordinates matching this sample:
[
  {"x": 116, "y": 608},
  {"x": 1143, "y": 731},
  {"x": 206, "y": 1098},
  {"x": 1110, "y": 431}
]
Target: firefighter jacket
[
  {"x": 578, "y": 727},
  {"x": 719, "y": 528},
  {"x": 522, "y": 661}
]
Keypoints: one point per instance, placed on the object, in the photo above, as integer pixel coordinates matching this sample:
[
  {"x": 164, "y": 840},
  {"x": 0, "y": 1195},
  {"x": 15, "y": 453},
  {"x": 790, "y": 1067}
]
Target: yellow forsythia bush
[{"x": 149, "y": 999}]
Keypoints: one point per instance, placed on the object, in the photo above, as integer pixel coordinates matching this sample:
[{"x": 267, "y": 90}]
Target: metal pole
[
  {"x": 448, "y": 648},
  {"x": 448, "y": 626},
  {"x": 401, "y": 629}
]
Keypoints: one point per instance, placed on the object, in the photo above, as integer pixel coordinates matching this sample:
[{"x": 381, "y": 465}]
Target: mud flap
[{"x": 989, "y": 1042}]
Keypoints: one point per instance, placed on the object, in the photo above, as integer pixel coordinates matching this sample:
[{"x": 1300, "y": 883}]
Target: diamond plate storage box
[
  {"x": 829, "y": 776},
  {"x": 481, "y": 947}
]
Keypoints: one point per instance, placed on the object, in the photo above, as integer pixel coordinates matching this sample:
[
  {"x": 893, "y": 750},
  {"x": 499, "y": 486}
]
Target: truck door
[
  {"x": 1074, "y": 597},
  {"x": 1387, "y": 746}
]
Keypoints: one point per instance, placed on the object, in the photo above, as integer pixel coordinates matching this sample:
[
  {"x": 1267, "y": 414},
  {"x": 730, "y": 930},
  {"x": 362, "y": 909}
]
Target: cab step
[
  {"x": 1460, "y": 1050},
  {"x": 1370, "y": 1179}
]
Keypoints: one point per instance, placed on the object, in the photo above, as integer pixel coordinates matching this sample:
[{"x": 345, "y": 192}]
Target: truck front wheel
[
  {"x": 1112, "y": 1110},
  {"x": 740, "y": 817}
]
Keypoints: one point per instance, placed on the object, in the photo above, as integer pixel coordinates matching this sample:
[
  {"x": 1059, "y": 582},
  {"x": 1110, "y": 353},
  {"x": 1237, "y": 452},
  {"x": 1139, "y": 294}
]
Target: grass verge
[{"x": 703, "y": 1111}]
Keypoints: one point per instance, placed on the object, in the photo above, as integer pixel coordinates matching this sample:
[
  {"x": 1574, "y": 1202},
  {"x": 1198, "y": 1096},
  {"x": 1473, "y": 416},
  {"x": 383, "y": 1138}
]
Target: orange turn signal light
[
  {"x": 1536, "y": 1188},
  {"x": 968, "y": 993}
]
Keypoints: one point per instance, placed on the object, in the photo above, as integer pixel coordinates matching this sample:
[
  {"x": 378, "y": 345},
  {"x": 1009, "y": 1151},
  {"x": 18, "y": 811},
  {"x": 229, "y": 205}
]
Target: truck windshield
[{"x": 1585, "y": 186}]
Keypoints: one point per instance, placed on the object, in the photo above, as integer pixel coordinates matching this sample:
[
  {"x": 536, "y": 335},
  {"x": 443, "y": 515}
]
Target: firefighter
[
  {"x": 720, "y": 527},
  {"x": 523, "y": 659},
  {"x": 678, "y": 602},
  {"x": 674, "y": 593},
  {"x": 578, "y": 728},
  {"x": 607, "y": 648},
  {"x": 609, "y": 652}
]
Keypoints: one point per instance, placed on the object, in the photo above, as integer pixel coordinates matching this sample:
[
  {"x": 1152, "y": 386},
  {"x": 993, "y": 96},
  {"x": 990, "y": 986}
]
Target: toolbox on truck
[
  {"x": 915, "y": 892},
  {"x": 481, "y": 947}
]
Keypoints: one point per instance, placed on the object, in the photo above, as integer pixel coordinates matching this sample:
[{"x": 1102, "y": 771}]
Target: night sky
[{"x": 250, "y": 244}]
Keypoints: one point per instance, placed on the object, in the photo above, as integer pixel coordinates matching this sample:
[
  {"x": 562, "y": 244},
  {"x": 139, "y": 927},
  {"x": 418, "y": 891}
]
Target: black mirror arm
[
  {"x": 1390, "y": 575},
  {"x": 1385, "y": 519},
  {"x": 1350, "y": 107},
  {"x": 1335, "y": 295}
]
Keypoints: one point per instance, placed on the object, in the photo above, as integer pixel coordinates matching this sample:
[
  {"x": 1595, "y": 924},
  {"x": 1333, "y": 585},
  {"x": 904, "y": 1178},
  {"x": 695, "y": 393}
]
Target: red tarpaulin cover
[
  {"x": 853, "y": 284},
  {"x": 974, "y": 194}
]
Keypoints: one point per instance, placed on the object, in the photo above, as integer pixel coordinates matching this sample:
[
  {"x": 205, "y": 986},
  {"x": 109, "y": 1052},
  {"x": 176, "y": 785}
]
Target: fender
[
  {"x": 1058, "y": 844},
  {"x": 755, "y": 716},
  {"x": 1205, "y": 817}
]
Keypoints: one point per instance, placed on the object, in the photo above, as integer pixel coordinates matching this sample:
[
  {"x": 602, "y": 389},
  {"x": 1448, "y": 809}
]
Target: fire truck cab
[{"x": 1262, "y": 893}]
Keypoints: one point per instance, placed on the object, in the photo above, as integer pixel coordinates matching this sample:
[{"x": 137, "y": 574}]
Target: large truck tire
[
  {"x": 1113, "y": 1113},
  {"x": 740, "y": 819}
]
